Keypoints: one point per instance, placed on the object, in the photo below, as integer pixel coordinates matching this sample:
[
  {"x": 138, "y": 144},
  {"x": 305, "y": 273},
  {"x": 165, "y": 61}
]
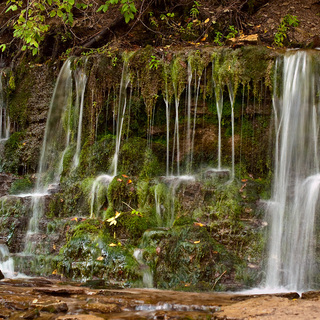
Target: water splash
[{"x": 294, "y": 203}]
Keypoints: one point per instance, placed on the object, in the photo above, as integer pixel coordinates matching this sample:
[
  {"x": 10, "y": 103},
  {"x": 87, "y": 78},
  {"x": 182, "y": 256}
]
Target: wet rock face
[
  {"x": 5, "y": 183},
  {"x": 1, "y": 275}
]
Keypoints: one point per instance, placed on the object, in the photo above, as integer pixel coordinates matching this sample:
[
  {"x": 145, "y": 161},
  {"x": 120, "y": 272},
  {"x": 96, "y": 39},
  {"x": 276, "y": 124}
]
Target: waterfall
[
  {"x": 81, "y": 81},
  {"x": 231, "y": 97},
  {"x": 4, "y": 117},
  {"x": 294, "y": 204},
  {"x": 122, "y": 104},
  {"x": 105, "y": 179},
  {"x": 55, "y": 138},
  {"x": 6, "y": 262},
  {"x": 55, "y": 143},
  {"x": 100, "y": 182},
  {"x": 219, "y": 105}
]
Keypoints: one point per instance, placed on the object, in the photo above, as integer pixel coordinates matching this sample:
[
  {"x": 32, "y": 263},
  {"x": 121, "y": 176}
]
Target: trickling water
[
  {"x": 174, "y": 183},
  {"x": 125, "y": 79},
  {"x": 231, "y": 96},
  {"x": 81, "y": 81},
  {"x": 55, "y": 138},
  {"x": 219, "y": 105},
  {"x": 6, "y": 262},
  {"x": 147, "y": 277},
  {"x": 188, "y": 139},
  {"x": 55, "y": 143},
  {"x": 294, "y": 204},
  {"x": 4, "y": 117},
  {"x": 102, "y": 181},
  {"x": 197, "y": 87}
]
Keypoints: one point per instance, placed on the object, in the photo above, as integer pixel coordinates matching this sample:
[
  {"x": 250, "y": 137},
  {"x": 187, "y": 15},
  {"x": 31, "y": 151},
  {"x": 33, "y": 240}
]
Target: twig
[{"x": 219, "y": 277}]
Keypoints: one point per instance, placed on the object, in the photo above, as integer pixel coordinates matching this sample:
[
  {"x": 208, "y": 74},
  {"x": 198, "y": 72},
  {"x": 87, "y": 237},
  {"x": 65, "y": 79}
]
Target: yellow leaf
[
  {"x": 54, "y": 247},
  {"x": 55, "y": 271},
  {"x": 119, "y": 180},
  {"x": 207, "y": 20},
  {"x": 74, "y": 219},
  {"x": 100, "y": 258},
  {"x": 199, "y": 224},
  {"x": 35, "y": 301},
  {"x": 129, "y": 181},
  {"x": 119, "y": 244},
  {"x": 112, "y": 245},
  {"x": 196, "y": 242},
  {"x": 125, "y": 176}
]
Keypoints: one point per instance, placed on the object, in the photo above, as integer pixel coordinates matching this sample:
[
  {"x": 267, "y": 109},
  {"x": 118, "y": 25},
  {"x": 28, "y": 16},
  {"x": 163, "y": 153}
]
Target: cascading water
[
  {"x": 4, "y": 117},
  {"x": 105, "y": 179},
  {"x": 101, "y": 182},
  {"x": 56, "y": 141},
  {"x": 231, "y": 96},
  {"x": 294, "y": 203},
  {"x": 81, "y": 81},
  {"x": 125, "y": 79},
  {"x": 219, "y": 105},
  {"x": 6, "y": 262}
]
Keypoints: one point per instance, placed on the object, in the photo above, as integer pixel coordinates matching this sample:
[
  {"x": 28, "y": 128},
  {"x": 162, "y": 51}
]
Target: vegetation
[{"x": 287, "y": 22}]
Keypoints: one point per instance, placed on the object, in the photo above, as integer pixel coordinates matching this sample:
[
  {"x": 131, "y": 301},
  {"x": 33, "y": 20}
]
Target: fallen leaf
[
  {"x": 125, "y": 176},
  {"x": 207, "y": 20},
  {"x": 54, "y": 247},
  {"x": 112, "y": 245},
  {"x": 55, "y": 271},
  {"x": 199, "y": 224},
  {"x": 196, "y": 242},
  {"x": 74, "y": 219},
  {"x": 100, "y": 258},
  {"x": 35, "y": 301},
  {"x": 120, "y": 180},
  {"x": 129, "y": 181}
]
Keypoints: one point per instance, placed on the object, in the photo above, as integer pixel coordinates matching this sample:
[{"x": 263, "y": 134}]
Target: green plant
[
  {"x": 232, "y": 32},
  {"x": 287, "y": 22},
  {"x": 154, "y": 63},
  {"x": 218, "y": 38},
  {"x": 194, "y": 12},
  {"x": 128, "y": 8},
  {"x": 30, "y": 26}
]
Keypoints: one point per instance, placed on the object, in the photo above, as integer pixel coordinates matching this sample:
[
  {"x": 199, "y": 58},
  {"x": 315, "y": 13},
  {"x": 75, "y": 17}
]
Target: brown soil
[{"x": 266, "y": 20}]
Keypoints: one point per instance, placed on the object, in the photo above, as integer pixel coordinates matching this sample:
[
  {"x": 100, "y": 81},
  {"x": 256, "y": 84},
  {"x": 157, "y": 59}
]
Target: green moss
[
  {"x": 23, "y": 185},
  {"x": 12, "y": 148}
]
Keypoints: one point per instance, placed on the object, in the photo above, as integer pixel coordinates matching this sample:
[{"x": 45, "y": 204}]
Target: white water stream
[
  {"x": 294, "y": 204},
  {"x": 56, "y": 141}
]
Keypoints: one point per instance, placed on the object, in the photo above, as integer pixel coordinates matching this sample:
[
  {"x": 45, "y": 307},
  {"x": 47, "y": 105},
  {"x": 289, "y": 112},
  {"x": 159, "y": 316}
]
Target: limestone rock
[
  {"x": 101, "y": 307},
  {"x": 55, "y": 307}
]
